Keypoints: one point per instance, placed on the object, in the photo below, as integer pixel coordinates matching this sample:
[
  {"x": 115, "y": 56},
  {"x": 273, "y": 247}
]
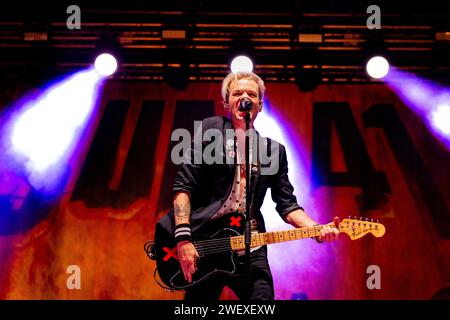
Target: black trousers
[{"x": 261, "y": 282}]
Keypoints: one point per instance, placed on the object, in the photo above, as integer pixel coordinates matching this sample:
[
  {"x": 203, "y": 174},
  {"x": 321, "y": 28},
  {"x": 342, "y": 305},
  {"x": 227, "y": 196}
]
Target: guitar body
[{"x": 212, "y": 244}]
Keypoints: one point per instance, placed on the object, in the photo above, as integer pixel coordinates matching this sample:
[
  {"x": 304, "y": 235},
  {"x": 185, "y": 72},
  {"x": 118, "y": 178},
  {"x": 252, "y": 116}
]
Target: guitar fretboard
[{"x": 260, "y": 239}]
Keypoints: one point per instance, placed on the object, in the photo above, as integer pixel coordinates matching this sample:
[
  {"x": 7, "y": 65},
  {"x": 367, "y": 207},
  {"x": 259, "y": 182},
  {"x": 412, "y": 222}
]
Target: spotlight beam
[
  {"x": 427, "y": 99},
  {"x": 42, "y": 134}
]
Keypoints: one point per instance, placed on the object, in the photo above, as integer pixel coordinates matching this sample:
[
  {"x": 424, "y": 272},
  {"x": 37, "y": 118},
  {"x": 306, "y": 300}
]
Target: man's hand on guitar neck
[
  {"x": 329, "y": 233},
  {"x": 187, "y": 255},
  {"x": 298, "y": 218}
]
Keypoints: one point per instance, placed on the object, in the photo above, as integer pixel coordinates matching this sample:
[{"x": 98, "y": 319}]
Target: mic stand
[{"x": 248, "y": 209}]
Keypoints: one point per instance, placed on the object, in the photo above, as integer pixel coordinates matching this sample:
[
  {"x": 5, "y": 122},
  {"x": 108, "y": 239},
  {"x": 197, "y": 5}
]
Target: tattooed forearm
[{"x": 182, "y": 208}]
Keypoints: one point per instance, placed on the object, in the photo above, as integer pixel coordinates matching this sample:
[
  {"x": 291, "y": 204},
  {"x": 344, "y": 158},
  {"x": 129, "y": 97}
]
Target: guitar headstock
[{"x": 356, "y": 229}]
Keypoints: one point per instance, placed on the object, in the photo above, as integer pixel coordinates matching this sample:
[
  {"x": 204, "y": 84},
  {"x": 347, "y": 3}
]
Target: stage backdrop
[{"x": 353, "y": 150}]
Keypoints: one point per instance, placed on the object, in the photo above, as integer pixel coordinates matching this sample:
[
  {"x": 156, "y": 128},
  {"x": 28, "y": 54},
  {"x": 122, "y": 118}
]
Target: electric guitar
[{"x": 219, "y": 241}]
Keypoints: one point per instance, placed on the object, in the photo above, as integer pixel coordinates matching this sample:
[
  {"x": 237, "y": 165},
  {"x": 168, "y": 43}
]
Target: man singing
[{"x": 204, "y": 192}]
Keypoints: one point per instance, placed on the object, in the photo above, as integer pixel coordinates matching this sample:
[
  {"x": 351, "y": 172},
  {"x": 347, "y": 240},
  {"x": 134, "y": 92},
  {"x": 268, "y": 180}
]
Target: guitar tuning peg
[
  {"x": 371, "y": 220},
  {"x": 367, "y": 219}
]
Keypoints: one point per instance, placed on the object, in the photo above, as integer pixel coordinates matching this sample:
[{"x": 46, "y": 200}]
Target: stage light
[
  {"x": 42, "y": 133},
  {"x": 105, "y": 64},
  {"x": 377, "y": 67},
  {"x": 440, "y": 118},
  {"x": 241, "y": 64},
  {"x": 427, "y": 99}
]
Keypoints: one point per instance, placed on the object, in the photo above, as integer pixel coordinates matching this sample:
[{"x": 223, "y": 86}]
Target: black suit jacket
[{"x": 209, "y": 185}]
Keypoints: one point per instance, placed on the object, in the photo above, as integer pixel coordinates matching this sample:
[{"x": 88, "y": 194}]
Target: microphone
[{"x": 245, "y": 105}]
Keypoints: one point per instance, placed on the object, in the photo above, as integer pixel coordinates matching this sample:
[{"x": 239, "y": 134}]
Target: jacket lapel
[{"x": 228, "y": 147}]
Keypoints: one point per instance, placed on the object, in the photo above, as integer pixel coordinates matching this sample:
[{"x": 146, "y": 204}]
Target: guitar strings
[
  {"x": 209, "y": 242},
  {"x": 223, "y": 244},
  {"x": 213, "y": 241},
  {"x": 300, "y": 230}
]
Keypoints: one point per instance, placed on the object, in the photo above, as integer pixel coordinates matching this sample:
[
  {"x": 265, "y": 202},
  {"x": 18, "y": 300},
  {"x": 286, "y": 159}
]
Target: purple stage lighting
[
  {"x": 284, "y": 257},
  {"x": 429, "y": 100},
  {"x": 41, "y": 134},
  {"x": 440, "y": 118}
]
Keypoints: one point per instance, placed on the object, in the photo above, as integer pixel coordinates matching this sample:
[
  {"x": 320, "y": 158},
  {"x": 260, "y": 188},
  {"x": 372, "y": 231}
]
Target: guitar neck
[{"x": 260, "y": 239}]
